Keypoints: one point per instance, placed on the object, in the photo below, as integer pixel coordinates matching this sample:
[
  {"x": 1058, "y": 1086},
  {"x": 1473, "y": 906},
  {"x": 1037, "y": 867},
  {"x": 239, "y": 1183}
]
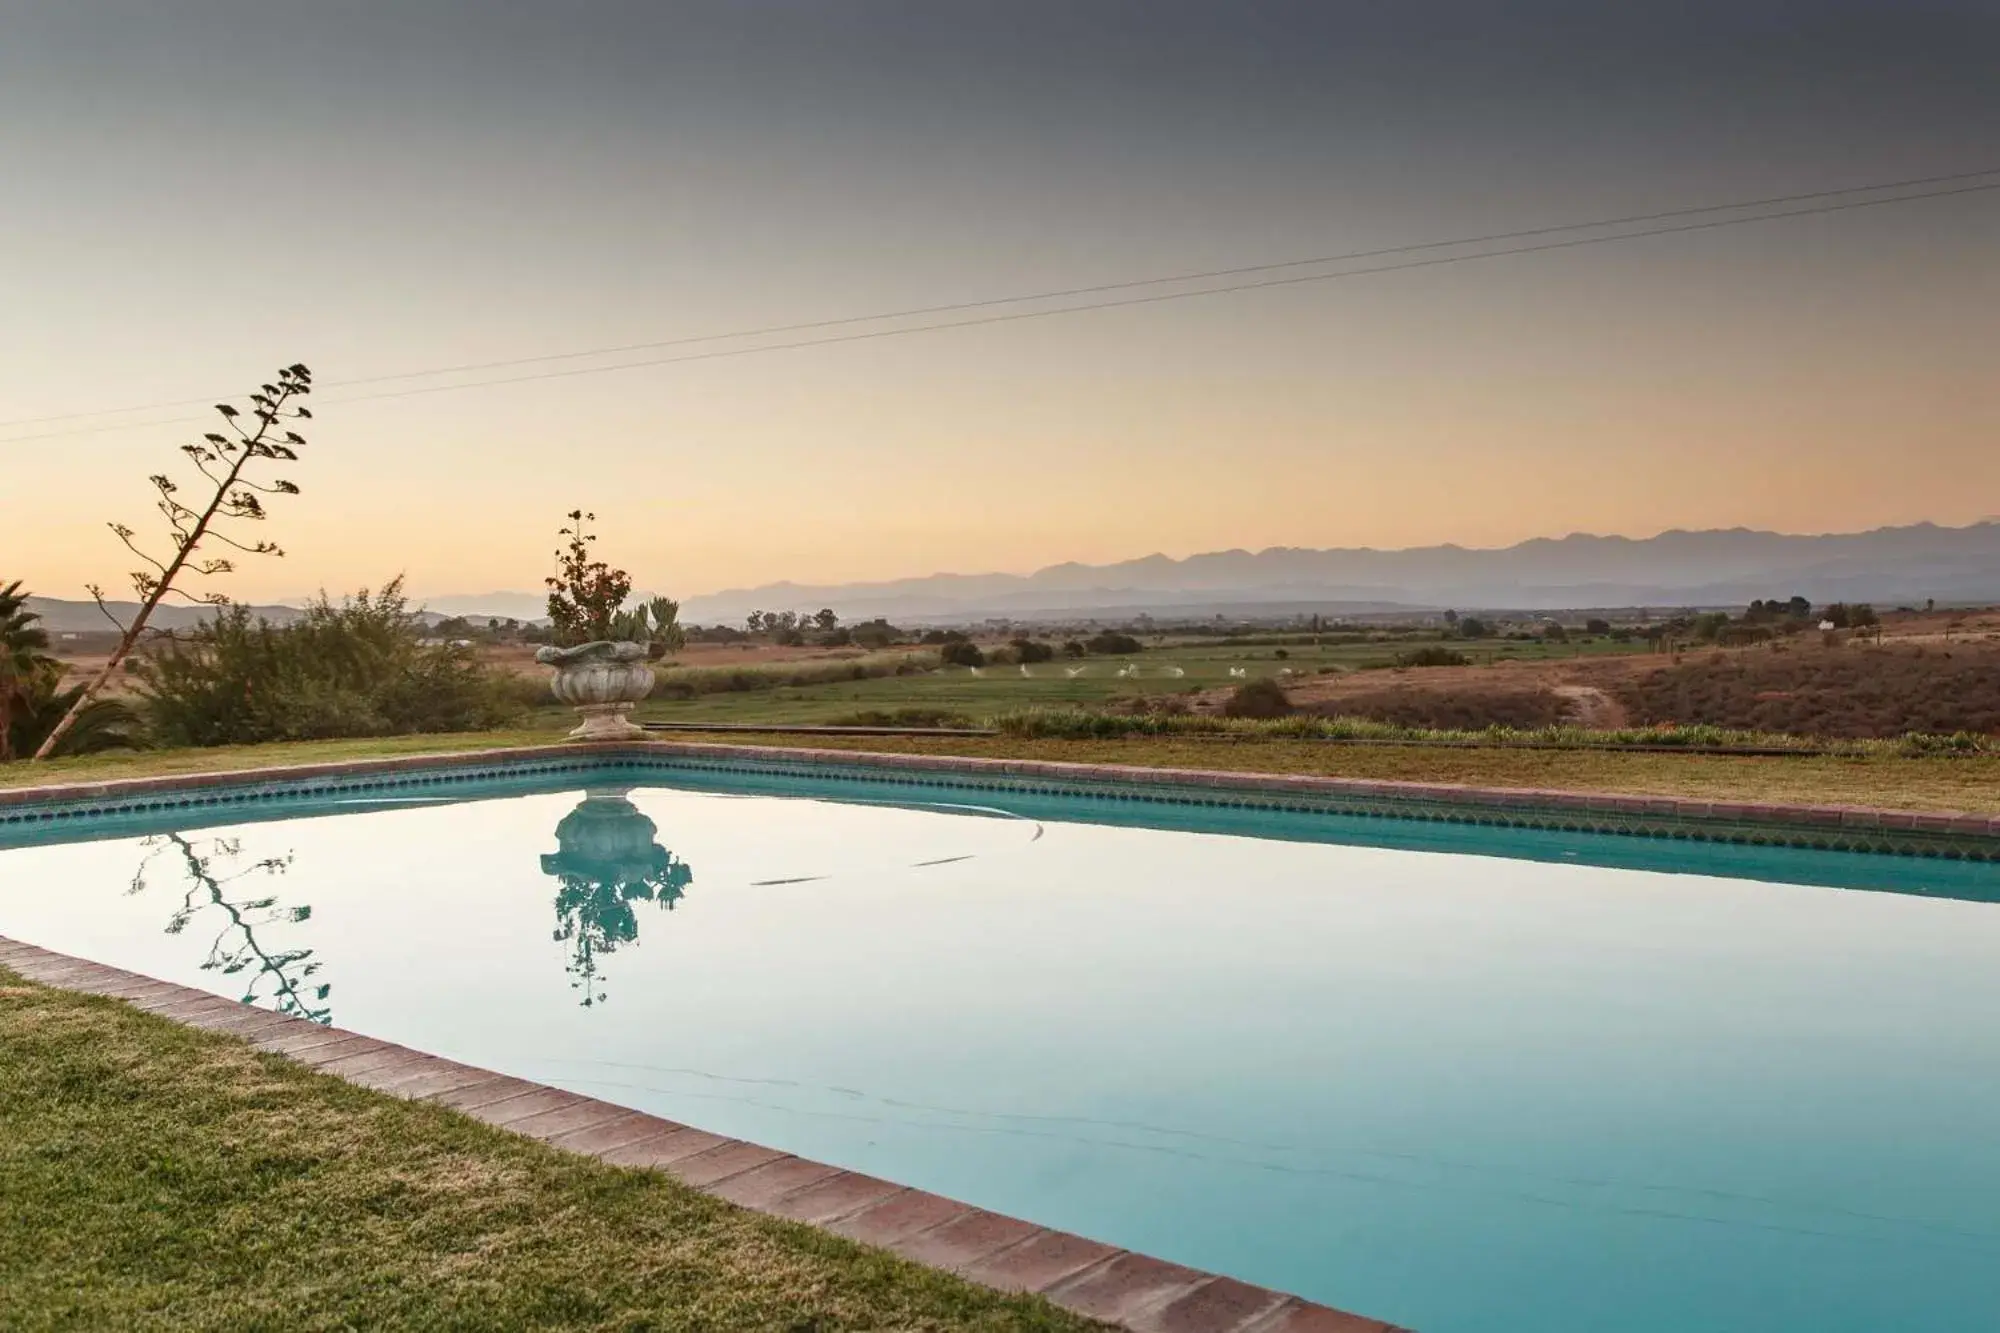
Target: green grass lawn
[
  {"x": 1970, "y": 784},
  {"x": 154, "y": 1177},
  {"x": 544, "y": 727},
  {"x": 1885, "y": 780}
]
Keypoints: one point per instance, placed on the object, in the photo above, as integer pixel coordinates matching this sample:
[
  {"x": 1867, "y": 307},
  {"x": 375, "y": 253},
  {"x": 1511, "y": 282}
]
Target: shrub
[
  {"x": 1709, "y": 626},
  {"x": 357, "y": 669},
  {"x": 877, "y": 633},
  {"x": 584, "y": 594},
  {"x": 1089, "y": 725},
  {"x": 1432, "y": 656},
  {"x": 1596, "y": 625},
  {"x": 1085, "y": 724},
  {"x": 1263, "y": 697},
  {"x": 1074, "y": 649},
  {"x": 1152, "y": 705},
  {"x": 1028, "y": 650},
  {"x": 902, "y": 717},
  {"x": 963, "y": 652},
  {"x": 1852, "y": 692},
  {"x": 1110, "y": 644},
  {"x": 1451, "y": 710},
  {"x": 33, "y": 700}
]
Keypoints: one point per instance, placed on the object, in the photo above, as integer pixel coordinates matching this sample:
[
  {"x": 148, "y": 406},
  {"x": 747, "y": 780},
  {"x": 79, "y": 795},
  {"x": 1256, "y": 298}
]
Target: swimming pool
[{"x": 1455, "y": 1077}]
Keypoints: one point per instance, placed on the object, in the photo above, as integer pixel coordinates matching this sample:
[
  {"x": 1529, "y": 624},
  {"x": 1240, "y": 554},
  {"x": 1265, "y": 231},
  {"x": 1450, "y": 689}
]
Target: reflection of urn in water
[{"x": 607, "y": 861}]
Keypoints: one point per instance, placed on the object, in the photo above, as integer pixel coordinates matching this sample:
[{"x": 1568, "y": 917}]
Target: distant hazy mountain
[
  {"x": 1722, "y": 567},
  {"x": 1718, "y": 567},
  {"x": 491, "y": 605},
  {"x": 66, "y": 617}
]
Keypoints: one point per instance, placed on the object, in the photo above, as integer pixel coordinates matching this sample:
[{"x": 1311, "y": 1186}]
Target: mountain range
[{"x": 1716, "y": 567}]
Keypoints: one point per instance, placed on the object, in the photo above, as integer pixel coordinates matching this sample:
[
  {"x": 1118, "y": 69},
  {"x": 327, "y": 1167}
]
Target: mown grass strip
[{"x": 154, "y": 1176}]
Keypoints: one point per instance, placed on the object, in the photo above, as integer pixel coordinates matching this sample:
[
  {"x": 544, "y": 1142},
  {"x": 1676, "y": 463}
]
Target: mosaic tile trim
[
  {"x": 360, "y": 778},
  {"x": 1126, "y": 1290},
  {"x": 1838, "y": 828}
]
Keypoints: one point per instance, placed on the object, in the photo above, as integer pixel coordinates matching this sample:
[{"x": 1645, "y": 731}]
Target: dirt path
[{"x": 1592, "y": 707}]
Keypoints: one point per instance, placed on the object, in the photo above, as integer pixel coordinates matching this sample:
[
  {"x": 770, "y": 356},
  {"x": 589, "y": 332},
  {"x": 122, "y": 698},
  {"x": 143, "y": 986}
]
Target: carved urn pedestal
[{"x": 602, "y": 680}]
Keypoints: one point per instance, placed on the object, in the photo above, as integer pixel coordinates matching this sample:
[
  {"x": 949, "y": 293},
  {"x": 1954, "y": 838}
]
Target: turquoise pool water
[{"x": 1457, "y": 1078}]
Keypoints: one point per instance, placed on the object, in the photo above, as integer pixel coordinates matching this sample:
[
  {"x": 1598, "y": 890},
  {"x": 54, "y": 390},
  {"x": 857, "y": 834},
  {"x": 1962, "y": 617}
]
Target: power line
[
  {"x": 1098, "y": 288},
  {"x": 1146, "y": 299},
  {"x": 1154, "y": 298},
  {"x": 1062, "y": 293}
]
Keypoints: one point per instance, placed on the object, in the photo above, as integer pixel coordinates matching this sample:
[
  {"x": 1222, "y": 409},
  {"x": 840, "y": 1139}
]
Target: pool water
[{"x": 1458, "y": 1079}]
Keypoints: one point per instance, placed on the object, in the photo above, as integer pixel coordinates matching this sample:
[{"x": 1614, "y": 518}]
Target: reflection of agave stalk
[
  {"x": 236, "y": 947},
  {"x": 607, "y": 861}
]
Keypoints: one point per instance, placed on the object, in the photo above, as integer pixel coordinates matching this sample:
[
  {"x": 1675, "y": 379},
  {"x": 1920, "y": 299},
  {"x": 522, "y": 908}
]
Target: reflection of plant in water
[
  {"x": 287, "y": 972},
  {"x": 607, "y": 861}
]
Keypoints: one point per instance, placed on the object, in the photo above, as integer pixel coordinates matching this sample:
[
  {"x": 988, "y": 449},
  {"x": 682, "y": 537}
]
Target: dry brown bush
[
  {"x": 1849, "y": 691},
  {"x": 1451, "y": 710}
]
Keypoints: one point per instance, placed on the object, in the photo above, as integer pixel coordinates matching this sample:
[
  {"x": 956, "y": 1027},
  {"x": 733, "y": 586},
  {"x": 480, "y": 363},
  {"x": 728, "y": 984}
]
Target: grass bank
[
  {"x": 153, "y": 1176},
  {"x": 1878, "y": 777},
  {"x": 1889, "y": 781},
  {"x": 113, "y": 764}
]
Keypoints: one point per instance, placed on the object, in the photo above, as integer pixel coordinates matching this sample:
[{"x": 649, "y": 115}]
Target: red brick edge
[{"x": 1127, "y": 1290}]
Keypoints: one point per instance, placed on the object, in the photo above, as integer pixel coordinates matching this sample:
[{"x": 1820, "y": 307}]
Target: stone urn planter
[{"x": 602, "y": 680}]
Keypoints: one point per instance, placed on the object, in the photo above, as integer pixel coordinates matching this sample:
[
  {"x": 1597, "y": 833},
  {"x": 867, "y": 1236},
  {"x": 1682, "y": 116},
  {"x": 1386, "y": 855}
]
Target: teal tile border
[{"x": 1836, "y": 828}]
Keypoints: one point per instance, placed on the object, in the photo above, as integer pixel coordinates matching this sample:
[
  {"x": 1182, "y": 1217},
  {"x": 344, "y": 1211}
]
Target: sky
[{"x": 193, "y": 193}]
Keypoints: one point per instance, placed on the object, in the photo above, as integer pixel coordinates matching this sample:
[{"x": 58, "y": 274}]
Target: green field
[{"x": 984, "y": 692}]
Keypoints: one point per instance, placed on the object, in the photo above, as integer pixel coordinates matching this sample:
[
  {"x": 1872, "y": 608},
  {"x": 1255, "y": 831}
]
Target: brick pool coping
[
  {"x": 1119, "y": 1287},
  {"x": 1833, "y": 827}
]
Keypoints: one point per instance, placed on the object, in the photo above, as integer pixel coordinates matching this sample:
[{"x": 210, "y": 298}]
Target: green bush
[
  {"x": 876, "y": 633},
  {"x": 1109, "y": 644},
  {"x": 1432, "y": 656},
  {"x": 357, "y": 669},
  {"x": 1260, "y": 698},
  {"x": 1709, "y": 626},
  {"x": 960, "y": 652},
  {"x": 32, "y": 697}
]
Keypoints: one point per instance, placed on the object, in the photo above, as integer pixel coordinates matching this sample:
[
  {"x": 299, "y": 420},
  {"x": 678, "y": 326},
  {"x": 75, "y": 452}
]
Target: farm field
[
  {"x": 1935, "y": 673},
  {"x": 1092, "y": 682}
]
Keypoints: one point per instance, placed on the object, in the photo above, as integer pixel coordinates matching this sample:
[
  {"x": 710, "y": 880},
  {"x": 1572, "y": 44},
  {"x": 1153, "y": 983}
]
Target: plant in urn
[{"x": 601, "y": 651}]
